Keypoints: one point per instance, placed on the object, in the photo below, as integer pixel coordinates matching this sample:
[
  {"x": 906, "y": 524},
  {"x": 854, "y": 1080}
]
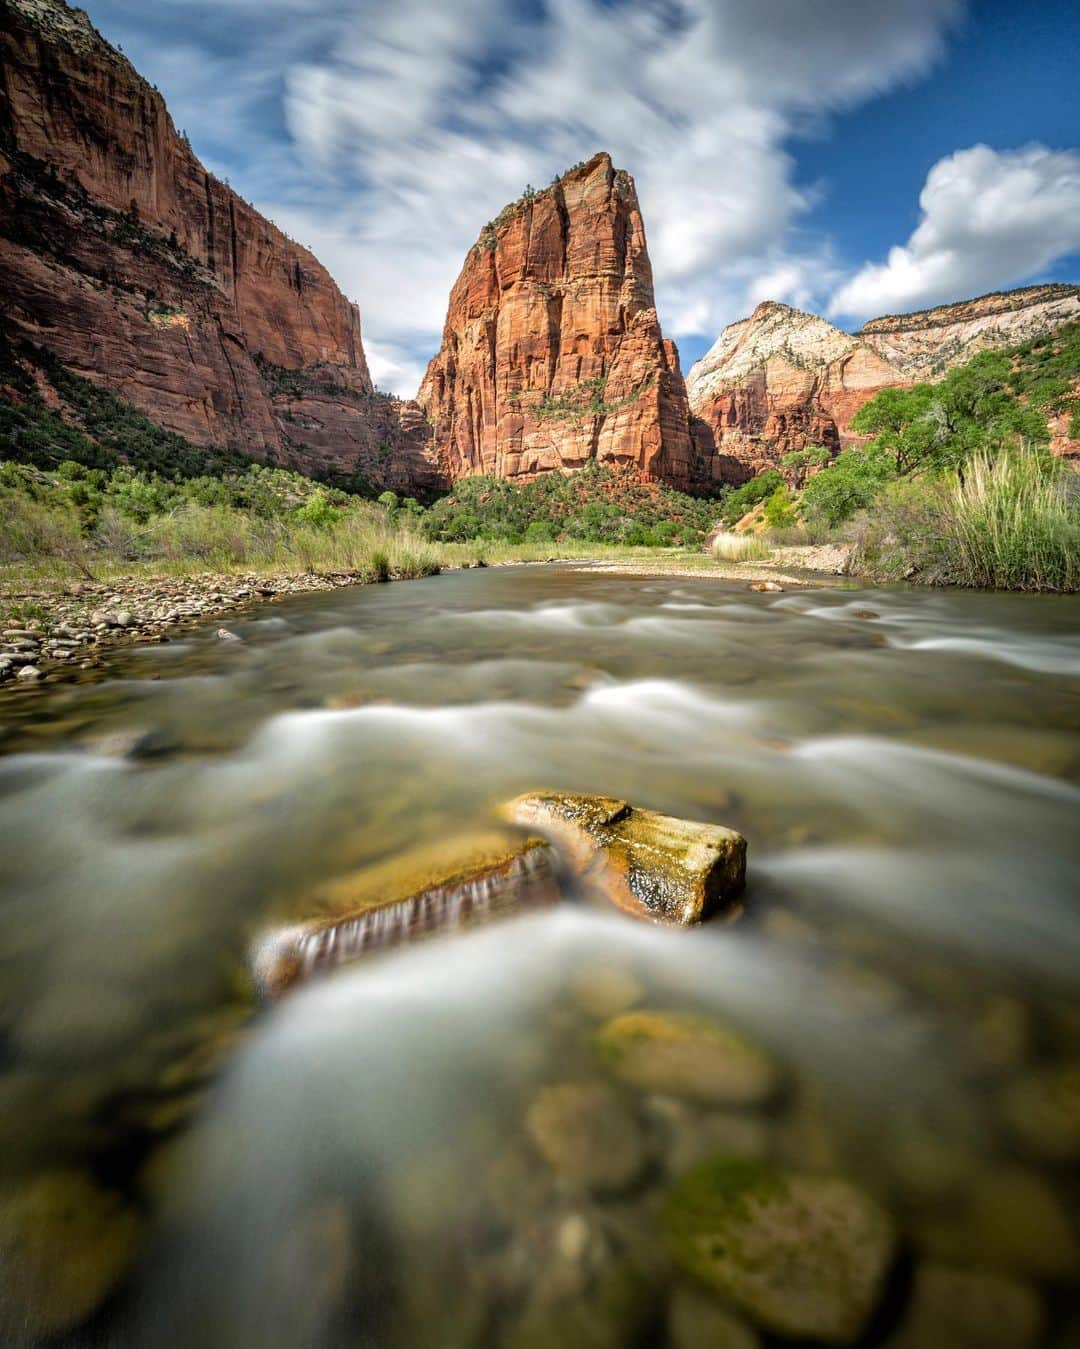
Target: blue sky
[{"x": 847, "y": 157}]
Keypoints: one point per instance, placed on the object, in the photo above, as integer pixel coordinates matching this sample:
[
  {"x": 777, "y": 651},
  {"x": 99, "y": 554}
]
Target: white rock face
[{"x": 772, "y": 330}]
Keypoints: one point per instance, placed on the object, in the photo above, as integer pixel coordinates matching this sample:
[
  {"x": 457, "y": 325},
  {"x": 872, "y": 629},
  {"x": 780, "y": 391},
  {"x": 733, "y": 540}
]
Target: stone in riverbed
[
  {"x": 443, "y": 887},
  {"x": 965, "y": 1309},
  {"x": 690, "y": 1057},
  {"x": 696, "y": 1320},
  {"x": 650, "y": 865},
  {"x": 800, "y": 1255},
  {"x": 29, "y": 673},
  {"x": 588, "y": 1135},
  {"x": 65, "y": 1244},
  {"x": 1041, "y": 1111}
]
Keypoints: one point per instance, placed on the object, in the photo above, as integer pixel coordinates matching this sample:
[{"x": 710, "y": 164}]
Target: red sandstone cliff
[
  {"x": 552, "y": 353},
  {"x": 124, "y": 257},
  {"x": 782, "y": 380}
]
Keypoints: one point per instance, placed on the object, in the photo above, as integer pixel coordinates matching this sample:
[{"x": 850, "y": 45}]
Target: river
[{"x": 364, "y": 1164}]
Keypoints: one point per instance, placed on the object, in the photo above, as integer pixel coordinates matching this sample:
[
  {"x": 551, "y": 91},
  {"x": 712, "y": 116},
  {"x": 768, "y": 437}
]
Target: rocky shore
[{"x": 44, "y": 629}]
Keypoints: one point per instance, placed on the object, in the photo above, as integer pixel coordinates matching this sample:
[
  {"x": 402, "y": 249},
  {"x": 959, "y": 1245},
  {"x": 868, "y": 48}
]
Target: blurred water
[{"x": 905, "y": 766}]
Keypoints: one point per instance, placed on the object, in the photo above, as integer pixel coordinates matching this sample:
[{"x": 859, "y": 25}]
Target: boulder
[
  {"x": 588, "y": 1135},
  {"x": 650, "y": 865},
  {"x": 674, "y": 1054},
  {"x": 800, "y": 1255},
  {"x": 966, "y": 1309},
  {"x": 440, "y": 887}
]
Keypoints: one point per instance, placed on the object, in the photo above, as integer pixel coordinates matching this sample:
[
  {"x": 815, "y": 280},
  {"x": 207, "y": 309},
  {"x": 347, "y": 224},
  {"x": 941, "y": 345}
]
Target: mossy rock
[
  {"x": 65, "y": 1244},
  {"x": 691, "y": 1057},
  {"x": 649, "y": 865},
  {"x": 800, "y": 1255}
]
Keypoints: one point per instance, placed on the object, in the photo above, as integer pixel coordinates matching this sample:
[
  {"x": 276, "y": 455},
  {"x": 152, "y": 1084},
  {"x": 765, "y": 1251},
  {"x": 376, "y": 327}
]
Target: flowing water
[{"x": 364, "y": 1163}]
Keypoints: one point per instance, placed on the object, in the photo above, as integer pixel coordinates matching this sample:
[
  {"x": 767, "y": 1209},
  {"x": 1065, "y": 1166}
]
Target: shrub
[
  {"x": 749, "y": 495},
  {"x": 1016, "y": 521},
  {"x": 779, "y": 511},
  {"x": 849, "y": 484},
  {"x": 1010, "y": 523}
]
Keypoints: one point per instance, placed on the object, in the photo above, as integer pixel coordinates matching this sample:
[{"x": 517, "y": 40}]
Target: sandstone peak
[
  {"x": 772, "y": 331},
  {"x": 552, "y": 353}
]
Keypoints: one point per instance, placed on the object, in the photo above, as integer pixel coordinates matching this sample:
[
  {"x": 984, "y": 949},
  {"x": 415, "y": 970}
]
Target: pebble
[
  {"x": 29, "y": 672},
  {"x": 98, "y": 616}
]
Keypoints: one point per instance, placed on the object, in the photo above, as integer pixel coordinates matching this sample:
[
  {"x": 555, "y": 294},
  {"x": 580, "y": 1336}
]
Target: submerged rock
[
  {"x": 588, "y": 1136},
  {"x": 651, "y": 865},
  {"x": 65, "y": 1244},
  {"x": 691, "y": 1057},
  {"x": 965, "y": 1309},
  {"x": 1013, "y": 1221},
  {"x": 801, "y": 1255},
  {"x": 443, "y": 887},
  {"x": 1041, "y": 1111},
  {"x": 696, "y": 1320}
]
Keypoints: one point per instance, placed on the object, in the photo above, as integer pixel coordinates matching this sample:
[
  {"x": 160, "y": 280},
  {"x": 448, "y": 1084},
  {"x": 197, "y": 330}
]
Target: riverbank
[{"x": 52, "y": 622}]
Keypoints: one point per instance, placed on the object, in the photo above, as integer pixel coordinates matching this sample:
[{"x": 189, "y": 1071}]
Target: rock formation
[
  {"x": 124, "y": 257},
  {"x": 783, "y": 380},
  {"x": 552, "y": 353},
  {"x": 927, "y": 344},
  {"x": 776, "y": 382}
]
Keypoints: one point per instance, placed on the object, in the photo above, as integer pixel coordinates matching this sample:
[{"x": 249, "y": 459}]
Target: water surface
[{"x": 353, "y": 1166}]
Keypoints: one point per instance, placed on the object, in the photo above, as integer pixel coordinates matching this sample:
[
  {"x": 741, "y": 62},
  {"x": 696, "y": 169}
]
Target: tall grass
[
  {"x": 1016, "y": 521},
  {"x": 1006, "y": 523},
  {"x": 740, "y": 548}
]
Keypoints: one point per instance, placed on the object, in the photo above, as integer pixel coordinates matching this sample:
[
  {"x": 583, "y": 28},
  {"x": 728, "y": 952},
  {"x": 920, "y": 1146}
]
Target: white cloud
[
  {"x": 990, "y": 218},
  {"x": 412, "y": 124}
]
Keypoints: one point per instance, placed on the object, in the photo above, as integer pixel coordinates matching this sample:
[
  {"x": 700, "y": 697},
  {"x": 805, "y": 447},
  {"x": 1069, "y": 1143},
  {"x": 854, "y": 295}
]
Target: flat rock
[
  {"x": 803, "y": 1256},
  {"x": 691, "y": 1057},
  {"x": 650, "y": 865},
  {"x": 466, "y": 880}
]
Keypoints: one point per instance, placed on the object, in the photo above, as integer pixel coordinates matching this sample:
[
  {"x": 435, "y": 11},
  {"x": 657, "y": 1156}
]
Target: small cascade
[{"x": 294, "y": 954}]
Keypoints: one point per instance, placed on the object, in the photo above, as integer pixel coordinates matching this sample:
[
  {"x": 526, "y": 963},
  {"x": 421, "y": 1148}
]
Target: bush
[
  {"x": 853, "y": 480},
  {"x": 779, "y": 511},
  {"x": 1016, "y": 521},
  {"x": 749, "y": 495},
  {"x": 1010, "y": 523}
]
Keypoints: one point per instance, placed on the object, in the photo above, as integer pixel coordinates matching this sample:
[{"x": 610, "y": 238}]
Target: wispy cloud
[{"x": 386, "y": 135}]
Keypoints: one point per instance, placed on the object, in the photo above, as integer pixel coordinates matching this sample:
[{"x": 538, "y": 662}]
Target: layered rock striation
[
  {"x": 124, "y": 257},
  {"x": 777, "y": 382},
  {"x": 552, "y": 354},
  {"x": 783, "y": 380}
]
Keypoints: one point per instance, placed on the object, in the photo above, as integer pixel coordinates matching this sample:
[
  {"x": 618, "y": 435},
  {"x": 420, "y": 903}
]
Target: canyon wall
[
  {"x": 552, "y": 353},
  {"x": 124, "y": 257},
  {"x": 782, "y": 380}
]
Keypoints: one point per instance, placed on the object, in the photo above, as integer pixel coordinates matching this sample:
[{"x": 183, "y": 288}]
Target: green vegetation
[
  {"x": 595, "y": 505},
  {"x": 749, "y": 495},
  {"x": 585, "y": 400},
  {"x": 956, "y": 485},
  {"x": 96, "y": 521}
]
